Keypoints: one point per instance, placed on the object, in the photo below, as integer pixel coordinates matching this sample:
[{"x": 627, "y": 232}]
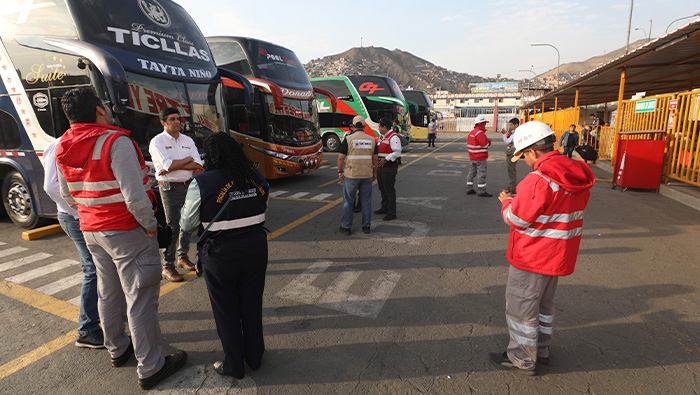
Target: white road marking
[
  {"x": 336, "y": 296},
  {"x": 12, "y": 251},
  {"x": 23, "y": 261},
  {"x": 48, "y": 269},
  {"x": 334, "y": 167},
  {"x": 458, "y": 165},
  {"x": 324, "y": 167},
  {"x": 322, "y": 196},
  {"x": 421, "y": 201},
  {"x": 420, "y": 230},
  {"x": 277, "y": 193},
  {"x": 298, "y": 195},
  {"x": 62, "y": 284},
  {"x": 450, "y": 173},
  {"x": 203, "y": 380},
  {"x": 75, "y": 301}
]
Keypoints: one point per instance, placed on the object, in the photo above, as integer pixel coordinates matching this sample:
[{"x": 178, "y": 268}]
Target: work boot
[
  {"x": 171, "y": 274},
  {"x": 501, "y": 361},
  {"x": 173, "y": 363},
  {"x": 485, "y": 194},
  {"x": 471, "y": 192},
  {"x": 91, "y": 340},
  {"x": 185, "y": 263}
]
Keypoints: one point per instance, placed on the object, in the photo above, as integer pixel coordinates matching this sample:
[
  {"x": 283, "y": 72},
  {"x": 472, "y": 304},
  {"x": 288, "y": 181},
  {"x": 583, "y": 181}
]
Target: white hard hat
[
  {"x": 479, "y": 119},
  {"x": 527, "y": 134}
]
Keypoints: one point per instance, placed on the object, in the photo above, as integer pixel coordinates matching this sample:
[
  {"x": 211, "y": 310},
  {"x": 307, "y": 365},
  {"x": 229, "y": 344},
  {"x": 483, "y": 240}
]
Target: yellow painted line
[
  {"x": 171, "y": 286},
  {"x": 36, "y": 354},
  {"x": 338, "y": 180},
  {"x": 302, "y": 200},
  {"x": 303, "y": 219},
  {"x": 42, "y": 232},
  {"x": 40, "y": 301},
  {"x": 325, "y": 162}
]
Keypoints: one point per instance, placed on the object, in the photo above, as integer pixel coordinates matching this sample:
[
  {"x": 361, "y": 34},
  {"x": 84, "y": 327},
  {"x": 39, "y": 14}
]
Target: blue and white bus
[{"x": 139, "y": 55}]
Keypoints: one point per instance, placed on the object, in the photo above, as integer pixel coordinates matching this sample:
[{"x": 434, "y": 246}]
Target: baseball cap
[{"x": 358, "y": 122}]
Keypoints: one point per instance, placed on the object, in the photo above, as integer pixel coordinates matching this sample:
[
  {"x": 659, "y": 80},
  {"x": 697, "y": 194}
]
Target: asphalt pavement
[{"x": 414, "y": 307}]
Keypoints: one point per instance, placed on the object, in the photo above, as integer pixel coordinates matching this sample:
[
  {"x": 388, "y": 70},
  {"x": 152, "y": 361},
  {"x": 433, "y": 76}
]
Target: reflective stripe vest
[
  {"x": 246, "y": 209},
  {"x": 384, "y": 148},
  {"x": 96, "y": 192},
  {"x": 358, "y": 162},
  {"x": 477, "y": 144},
  {"x": 546, "y": 217}
]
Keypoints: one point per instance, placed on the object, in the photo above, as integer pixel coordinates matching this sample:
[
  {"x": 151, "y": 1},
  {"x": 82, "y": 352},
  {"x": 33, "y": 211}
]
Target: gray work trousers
[
  {"x": 529, "y": 314},
  {"x": 512, "y": 169},
  {"x": 173, "y": 200},
  {"x": 128, "y": 281},
  {"x": 477, "y": 168}
]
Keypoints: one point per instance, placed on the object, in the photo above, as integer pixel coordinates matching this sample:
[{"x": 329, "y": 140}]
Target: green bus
[{"x": 370, "y": 96}]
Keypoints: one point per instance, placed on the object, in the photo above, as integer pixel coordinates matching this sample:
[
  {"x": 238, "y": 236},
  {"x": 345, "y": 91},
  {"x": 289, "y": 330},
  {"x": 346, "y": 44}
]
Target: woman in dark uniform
[{"x": 233, "y": 250}]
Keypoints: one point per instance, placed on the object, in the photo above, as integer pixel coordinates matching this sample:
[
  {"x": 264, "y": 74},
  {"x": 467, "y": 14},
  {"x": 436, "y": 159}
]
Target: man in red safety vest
[
  {"x": 546, "y": 220},
  {"x": 389, "y": 160},
  {"x": 478, "y": 147},
  {"x": 103, "y": 175}
]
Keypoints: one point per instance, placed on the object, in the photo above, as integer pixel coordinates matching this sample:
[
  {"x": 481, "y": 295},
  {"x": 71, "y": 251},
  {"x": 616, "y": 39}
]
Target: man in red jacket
[
  {"x": 103, "y": 175},
  {"x": 546, "y": 219},
  {"x": 478, "y": 147}
]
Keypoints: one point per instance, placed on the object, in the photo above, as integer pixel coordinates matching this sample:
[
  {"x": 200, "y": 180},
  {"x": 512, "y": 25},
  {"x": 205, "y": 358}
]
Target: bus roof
[{"x": 154, "y": 37}]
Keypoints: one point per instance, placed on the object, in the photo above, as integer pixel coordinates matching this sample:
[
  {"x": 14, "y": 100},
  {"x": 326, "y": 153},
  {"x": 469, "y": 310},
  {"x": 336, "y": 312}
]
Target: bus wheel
[
  {"x": 18, "y": 201},
  {"x": 332, "y": 143}
]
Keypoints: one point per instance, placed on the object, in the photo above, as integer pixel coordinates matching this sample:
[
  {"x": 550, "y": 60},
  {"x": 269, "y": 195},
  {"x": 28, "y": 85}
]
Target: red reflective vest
[
  {"x": 546, "y": 216},
  {"x": 384, "y": 148},
  {"x": 90, "y": 178},
  {"x": 477, "y": 143}
]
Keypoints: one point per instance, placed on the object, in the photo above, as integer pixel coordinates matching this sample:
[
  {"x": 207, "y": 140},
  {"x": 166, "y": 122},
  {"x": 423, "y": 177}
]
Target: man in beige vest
[{"x": 357, "y": 167}]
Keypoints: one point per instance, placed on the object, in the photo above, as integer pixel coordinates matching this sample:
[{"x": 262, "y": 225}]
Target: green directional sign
[{"x": 645, "y": 106}]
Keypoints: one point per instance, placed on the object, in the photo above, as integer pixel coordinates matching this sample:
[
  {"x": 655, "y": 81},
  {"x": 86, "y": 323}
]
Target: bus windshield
[
  {"x": 199, "y": 104},
  {"x": 376, "y": 86}
]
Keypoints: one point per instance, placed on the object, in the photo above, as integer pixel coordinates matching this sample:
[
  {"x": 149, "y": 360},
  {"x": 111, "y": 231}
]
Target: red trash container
[{"x": 639, "y": 160}]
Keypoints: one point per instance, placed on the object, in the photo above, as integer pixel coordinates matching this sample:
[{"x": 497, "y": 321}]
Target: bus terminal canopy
[{"x": 667, "y": 64}]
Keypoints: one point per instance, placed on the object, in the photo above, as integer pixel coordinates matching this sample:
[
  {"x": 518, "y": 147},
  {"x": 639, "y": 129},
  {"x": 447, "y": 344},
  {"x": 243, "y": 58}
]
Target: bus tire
[
  {"x": 332, "y": 143},
  {"x": 18, "y": 201}
]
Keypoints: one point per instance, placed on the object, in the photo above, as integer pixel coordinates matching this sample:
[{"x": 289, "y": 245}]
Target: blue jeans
[
  {"x": 568, "y": 151},
  {"x": 350, "y": 187},
  {"x": 89, "y": 319}
]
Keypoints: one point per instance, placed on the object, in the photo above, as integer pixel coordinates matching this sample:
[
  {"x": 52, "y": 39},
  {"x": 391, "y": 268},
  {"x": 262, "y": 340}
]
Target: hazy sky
[{"x": 482, "y": 38}]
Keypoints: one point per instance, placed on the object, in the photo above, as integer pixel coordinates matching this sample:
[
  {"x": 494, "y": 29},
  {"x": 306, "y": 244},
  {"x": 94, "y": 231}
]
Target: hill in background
[{"x": 409, "y": 70}]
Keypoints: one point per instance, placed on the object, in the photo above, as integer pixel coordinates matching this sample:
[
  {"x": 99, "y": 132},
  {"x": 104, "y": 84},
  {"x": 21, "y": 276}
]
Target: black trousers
[
  {"x": 386, "y": 179},
  {"x": 431, "y": 139},
  {"x": 234, "y": 270}
]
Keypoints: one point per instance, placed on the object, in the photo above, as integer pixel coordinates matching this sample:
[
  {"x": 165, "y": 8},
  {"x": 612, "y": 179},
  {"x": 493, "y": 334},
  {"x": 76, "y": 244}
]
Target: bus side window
[{"x": 9, "y": 132}]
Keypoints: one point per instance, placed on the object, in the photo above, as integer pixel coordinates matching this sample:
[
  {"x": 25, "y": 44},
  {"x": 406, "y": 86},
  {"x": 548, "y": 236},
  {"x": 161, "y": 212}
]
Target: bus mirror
[
  {"x": 274, "y": 89},
  {"x": 106, "y": 63},
  {"x": 247, "y": 87},
  {"x": 334, "y": 100}
]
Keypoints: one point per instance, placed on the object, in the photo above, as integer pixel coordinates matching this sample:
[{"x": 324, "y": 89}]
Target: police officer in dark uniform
[{"x": 230, "y": 200}]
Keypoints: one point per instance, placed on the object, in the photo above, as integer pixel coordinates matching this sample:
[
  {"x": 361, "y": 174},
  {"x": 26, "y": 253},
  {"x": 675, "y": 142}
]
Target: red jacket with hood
[
  {"x": 92, "y": 183},
  {"x": 477, "y": 143},
  {"x": 546, "y": 216}
]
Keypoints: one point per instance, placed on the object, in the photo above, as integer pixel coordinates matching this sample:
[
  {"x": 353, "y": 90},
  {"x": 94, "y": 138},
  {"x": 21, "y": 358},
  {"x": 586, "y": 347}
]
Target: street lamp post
[
  {"x": 680, "y": 19},
  {"x": 530, "y": 79},
  {"x": 558, "y": 57},
  {"x": 643, "y": 31}
]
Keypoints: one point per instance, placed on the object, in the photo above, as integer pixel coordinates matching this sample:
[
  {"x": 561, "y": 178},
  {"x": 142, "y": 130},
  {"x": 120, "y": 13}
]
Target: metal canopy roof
[{"x": 667, "y": 64}]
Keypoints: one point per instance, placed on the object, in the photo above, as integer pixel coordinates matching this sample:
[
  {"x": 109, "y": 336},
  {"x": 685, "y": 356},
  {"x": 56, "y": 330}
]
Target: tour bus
[
  {"x": 422, "y": 112},
  {"x": 370, "y": 96},
  {"x": 281, "y": 132},
  {"x": 139, "y": 55}
]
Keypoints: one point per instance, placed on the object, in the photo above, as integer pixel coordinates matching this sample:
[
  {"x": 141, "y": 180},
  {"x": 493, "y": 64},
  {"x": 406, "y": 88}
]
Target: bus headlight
[{"x": 275, "y": 154}]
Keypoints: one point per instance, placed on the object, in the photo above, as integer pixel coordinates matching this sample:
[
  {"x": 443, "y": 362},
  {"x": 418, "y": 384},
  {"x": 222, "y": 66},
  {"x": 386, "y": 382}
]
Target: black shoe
[
  {"x": 485, "y": 194},
  {"x": 345, "y": 231},
  {"x": 357, "y": 210},
  {"x": 366, "y": 229},
  {"x": 125, "y": 357},
  {"x": 471, "y": 192},
  {"x": 173, "y": 363},
  {"x": 389, "y": 217},
  {"x": 543, "y": 360},
  {"x": 93, "y": 339},
  {"x": 380, "y": 211},
  {"x": 502, "y": 361}
]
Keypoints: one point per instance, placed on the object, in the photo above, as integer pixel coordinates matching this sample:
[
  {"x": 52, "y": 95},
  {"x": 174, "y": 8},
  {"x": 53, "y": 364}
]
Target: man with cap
[
  {"x": 389, "y": 161},
  {"x": 357, "y": 167},
  {"x": 478, "y": 147},
  {"x": 546, "y": 219}
]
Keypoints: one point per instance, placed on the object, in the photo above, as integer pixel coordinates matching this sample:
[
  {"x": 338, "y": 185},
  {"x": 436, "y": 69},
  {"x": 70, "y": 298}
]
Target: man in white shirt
[
  {"x": 510, "y": 151},
  {"x": 175, "y": 157},
  {"x": 89, "y": 331}
]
